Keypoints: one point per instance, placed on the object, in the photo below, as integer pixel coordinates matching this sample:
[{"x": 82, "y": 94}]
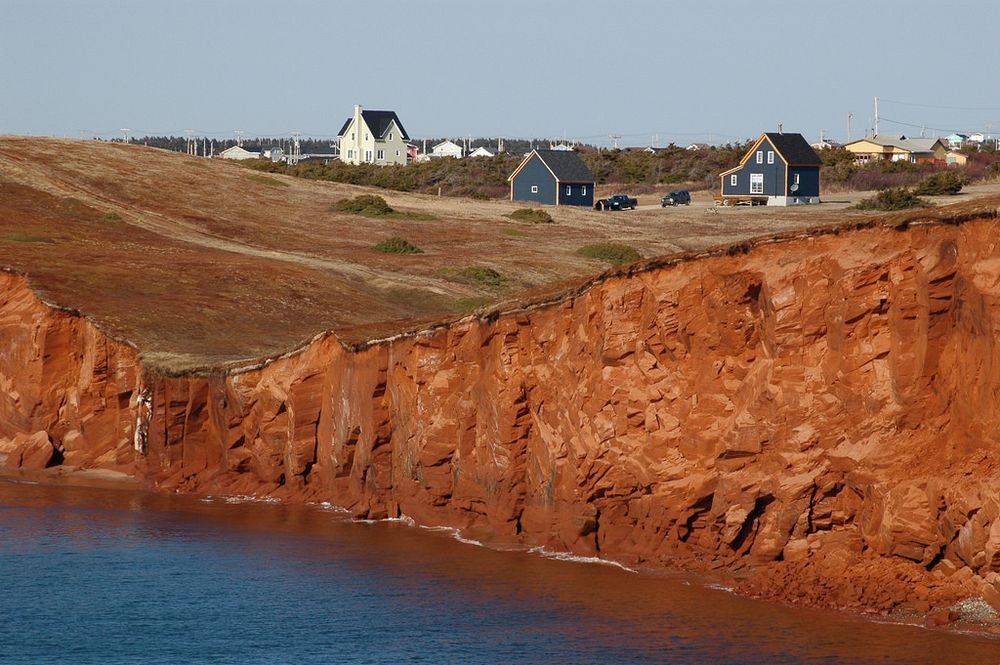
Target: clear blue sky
[{"x": 688, "y": 70}]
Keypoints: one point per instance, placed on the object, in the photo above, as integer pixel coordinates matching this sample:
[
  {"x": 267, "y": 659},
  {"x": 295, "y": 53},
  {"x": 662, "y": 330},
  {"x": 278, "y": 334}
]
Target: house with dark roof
[
  {"x": 373, "y": 137},
  {"x": 778, "y": 169},
  {"x": 555, "y": 177}
]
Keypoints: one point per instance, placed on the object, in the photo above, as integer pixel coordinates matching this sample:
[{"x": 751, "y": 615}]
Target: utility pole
[
  {"x": 125, "y": 131},
  {"x": 293, "y": 159},
  {"x": 189, "y": 142},
  {"x": 614, "y": 140},
  {"x": 849, "y": 116},
  {"x": 876, "y": 116},
  {"x": 239, "y": 137}
]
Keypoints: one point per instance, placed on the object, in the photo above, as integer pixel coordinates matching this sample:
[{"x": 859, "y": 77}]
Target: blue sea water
[{"x": 120, "y": 576}]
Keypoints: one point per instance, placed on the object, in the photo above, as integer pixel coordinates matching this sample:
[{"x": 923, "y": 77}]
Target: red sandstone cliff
[{"x": 824, "y": 409}]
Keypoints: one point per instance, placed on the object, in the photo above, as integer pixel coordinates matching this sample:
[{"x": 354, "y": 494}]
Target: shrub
[
  {"x": 111, "y": 217},
  {"x": 942, "y": 182},
  {"x": 613, "y": 253},
  {"x": 482, "y": 276},
  {"x": 397, "y": 246},
  {"x": 368, "y": 205},
  {"x": 531, "y": 215},
  {"x": 893, "y": 198}
]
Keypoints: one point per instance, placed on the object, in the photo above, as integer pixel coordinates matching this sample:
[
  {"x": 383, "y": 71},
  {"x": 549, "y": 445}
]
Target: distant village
[{"x": 779, "y": 168}]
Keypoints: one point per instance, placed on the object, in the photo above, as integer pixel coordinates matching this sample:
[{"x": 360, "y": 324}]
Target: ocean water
[{"x": 119, "y": 576}]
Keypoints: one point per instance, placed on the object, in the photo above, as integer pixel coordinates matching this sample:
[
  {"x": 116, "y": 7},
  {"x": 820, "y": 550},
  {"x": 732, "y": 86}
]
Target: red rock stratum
[{"x": 817, "y": 414}]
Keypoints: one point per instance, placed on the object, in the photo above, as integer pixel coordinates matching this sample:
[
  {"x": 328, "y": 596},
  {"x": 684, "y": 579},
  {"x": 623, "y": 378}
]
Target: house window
[
  {"x": 366, "y": 138},
  {"x": 795, "y": 179},
  {"x": 583, "y": 190},
  {"x": 732, "y": 180},
  {"x": 380, "y": 155},
  {"x": 390, "y": 136},
  {"x": 352, "y": 136},
  {"x": 534, "y": 189},
  {"x": 397, "y": 153},
  {"x": 569, "y": 189},
  {"x": 756, "y": 183},
  {"x": 760, "y": 156},
  {"x": 368, "y": 155},
  {"x": 770, "y": 157}
]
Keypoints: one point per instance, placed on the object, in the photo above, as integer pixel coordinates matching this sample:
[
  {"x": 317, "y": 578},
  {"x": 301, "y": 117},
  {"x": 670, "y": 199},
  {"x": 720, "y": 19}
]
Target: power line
[{"x": 948, "y": 108}]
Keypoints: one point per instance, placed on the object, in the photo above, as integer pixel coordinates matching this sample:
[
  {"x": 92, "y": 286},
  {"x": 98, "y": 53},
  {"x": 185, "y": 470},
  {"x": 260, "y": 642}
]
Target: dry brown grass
[{"x": 201, "y": 263}]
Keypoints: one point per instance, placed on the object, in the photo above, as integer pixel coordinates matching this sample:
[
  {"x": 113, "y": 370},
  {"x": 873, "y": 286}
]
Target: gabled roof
[
  {"x": 794, "y": 149},
  {"x": 923, "y": 145},
  {"x": 378, "y": 122},
  {"x": 565, "y": 165}
]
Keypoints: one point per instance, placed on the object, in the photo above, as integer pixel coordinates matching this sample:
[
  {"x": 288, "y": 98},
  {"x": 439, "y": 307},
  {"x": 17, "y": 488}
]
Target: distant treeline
[{"x": 486, "y": 177}]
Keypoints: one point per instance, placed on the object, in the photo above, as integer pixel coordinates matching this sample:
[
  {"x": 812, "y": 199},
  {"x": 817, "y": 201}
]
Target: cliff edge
[{"x": 816, "y": 415}]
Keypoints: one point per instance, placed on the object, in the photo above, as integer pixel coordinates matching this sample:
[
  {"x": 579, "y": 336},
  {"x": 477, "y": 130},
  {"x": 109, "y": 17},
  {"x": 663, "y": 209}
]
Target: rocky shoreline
[{"x": 814, "y": 416}]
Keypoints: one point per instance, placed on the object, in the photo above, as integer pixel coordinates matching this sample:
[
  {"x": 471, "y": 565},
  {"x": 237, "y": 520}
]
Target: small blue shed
[
  {"x": 779, "y": 169},
  {"x": 556, "y": 177}
]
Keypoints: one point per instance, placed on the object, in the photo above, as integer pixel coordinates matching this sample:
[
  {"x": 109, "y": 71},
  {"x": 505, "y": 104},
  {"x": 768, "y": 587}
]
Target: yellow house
[
  {"x": 898, "y": 149},
  {"x": 373, "y": 137}
]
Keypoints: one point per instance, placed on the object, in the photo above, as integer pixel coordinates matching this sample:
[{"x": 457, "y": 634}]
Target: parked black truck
[{"x": 616, "y": 202}]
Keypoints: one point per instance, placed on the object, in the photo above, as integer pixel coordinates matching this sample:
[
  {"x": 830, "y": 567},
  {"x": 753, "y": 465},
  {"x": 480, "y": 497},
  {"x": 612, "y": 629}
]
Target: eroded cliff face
[{"x": 823, "y": 412}]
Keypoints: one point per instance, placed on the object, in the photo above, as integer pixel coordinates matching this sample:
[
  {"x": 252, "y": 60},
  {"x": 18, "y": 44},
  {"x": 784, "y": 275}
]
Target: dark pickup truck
[
  {"x": 616, "y": 202},
  {"x": 676, "y": 198}
]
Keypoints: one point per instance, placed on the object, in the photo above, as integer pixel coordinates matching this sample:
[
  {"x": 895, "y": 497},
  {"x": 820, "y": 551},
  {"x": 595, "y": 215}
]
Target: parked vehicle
[
  {"x": 616, "y": 202},
  {"x": 676, "y": 198}
]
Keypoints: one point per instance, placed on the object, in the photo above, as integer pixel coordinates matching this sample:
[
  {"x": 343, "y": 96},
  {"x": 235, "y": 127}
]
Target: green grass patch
[
  {"x": 480, "y": 276},
  {"x": 397, "y": 246},
  {"x": 514, "y": 233},
  {"x": 893, "y": 198},
  {"x": 111, "y": 217},
  {"x": 371, "y": 205},
  {"x": 532, "y": 216},
  {"x": 24, "y": 237},
  {"x": 267, "y": 180},
  {"x": 614, "y": 253}
]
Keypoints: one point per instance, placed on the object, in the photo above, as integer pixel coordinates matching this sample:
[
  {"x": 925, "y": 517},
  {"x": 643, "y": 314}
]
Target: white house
[
  {"x": 447, "y": 149},
  {"x": 237, "y": 152},
  {"x": 481, "y": 152},
  {"x": 373, "y": 137}
]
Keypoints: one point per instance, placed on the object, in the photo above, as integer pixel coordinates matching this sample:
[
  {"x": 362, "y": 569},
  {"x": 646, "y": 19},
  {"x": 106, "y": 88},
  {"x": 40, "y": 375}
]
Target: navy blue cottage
[
  {"x": 556, "y": 177},
  {"x": 779, "y": 169}
]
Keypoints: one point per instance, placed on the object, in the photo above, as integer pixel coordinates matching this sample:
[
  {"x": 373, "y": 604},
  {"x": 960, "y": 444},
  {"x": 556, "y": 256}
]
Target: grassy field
[{"x": 203, "y": 263}]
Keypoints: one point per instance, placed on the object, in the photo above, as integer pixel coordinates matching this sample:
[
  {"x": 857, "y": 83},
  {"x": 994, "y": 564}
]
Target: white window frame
[
  {"x": 390, "y": 136},
  {"x": 380, "y": 155},
  {"x": 366, "y": 137},
  {"x": 352, "y": 136},
  {"x": 733, "y": 180},
  {"x": 368, "y": 155},
  {"x": 569, "y": 190},
  {"x": 397, "y": 153},
  {"x": 770, "y": 157},
  {"x": 534, "y": 189},
  {"x": 583, "y": 190},
  {"x": 795, "y": 178},
  {"x": 760, "y": 156},
  {"x": 756, "y": 183}
]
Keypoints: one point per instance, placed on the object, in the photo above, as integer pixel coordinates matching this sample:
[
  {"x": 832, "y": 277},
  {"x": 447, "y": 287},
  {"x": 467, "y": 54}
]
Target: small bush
[
  {"x": 936, "y": 184},
  {"x": 111, "y": 217},
  {"x": 893, "y": 198},
  {"x": 531, "y": 215},
  {"x": 482, "y": 276},
  {"x": 613, "y": 253},
  {"x": 397, "y": 246},
  {"x": 368, "y": 205}
]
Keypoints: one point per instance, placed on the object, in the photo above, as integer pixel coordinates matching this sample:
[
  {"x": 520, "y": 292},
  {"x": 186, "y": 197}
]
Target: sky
[{"x": 647, "y": 71}]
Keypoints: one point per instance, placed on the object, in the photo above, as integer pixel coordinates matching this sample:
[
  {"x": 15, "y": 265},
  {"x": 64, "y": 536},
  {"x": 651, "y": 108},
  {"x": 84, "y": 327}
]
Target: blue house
[
  {"x": 779, "y": 169},
  {"x": 556, "y": 177}
]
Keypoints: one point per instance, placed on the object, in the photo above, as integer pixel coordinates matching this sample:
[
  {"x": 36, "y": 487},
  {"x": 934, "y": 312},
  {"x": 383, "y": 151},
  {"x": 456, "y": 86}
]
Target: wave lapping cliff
[{"x": 820, "y": 415}]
